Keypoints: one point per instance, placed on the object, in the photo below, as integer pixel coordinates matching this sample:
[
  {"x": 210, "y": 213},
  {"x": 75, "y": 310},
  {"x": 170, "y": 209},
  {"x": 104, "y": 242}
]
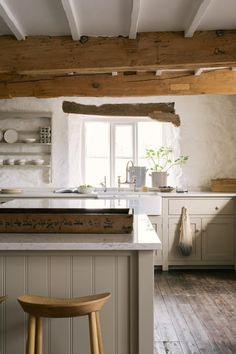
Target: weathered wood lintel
[
  {"x": 166, "y": 117},
  {"x": 118, "y": 110},
  {"x": 163, "y": 112}
]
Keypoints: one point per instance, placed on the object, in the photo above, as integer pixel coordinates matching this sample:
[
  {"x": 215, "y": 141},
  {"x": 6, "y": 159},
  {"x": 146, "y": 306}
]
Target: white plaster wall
[{"x": 207, "y": 134}]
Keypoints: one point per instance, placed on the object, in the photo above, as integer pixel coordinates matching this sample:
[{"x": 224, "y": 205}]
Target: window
[{"x": 109, "y": 145}]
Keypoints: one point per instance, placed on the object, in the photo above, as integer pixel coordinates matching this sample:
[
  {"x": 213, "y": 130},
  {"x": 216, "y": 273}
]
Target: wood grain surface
[
  {"x": 195, "y": 312},
  {"x": 64, "y": 222}
]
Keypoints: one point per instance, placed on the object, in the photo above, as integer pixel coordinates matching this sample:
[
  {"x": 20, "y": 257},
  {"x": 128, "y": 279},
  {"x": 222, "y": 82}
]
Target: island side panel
[
  {"x": 74, "y": 274},
  {"x": 146, "y": 302}
]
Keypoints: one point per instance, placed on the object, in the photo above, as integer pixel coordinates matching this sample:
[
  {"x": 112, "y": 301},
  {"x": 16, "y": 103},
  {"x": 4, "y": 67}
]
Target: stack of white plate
[
  {"x": 20, "y": 162},
  {"x": 9, "y": 162}
]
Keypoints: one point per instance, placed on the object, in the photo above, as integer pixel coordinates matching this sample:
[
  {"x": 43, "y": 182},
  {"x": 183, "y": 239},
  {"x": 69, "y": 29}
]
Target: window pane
[
  {"x": 95, "y": 170},
  {"x": 149, "y": 136},
  {"x": 123, "y": 141},
  {"x": 97, "y": 139}
]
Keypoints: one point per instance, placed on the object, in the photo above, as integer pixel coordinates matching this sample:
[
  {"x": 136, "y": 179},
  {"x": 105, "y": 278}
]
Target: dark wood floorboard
[{"x": 195, "y": 312}]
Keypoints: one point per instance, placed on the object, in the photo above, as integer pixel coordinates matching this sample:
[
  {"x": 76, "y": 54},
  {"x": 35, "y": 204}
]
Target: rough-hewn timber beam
[
  {"x": 150, "y": 51},
  {"x": 163, "y": 112},
  {"x": 118, "y": 110},
  {"x": 146, "y": 84}
]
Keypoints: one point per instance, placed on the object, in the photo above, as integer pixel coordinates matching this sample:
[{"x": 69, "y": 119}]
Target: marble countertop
[
  {"x": 143, "y": 236},
  {"x": 208, "y": 194},
  {"x": 48, "y": 193},
  {"x": 67, "y": 203}
]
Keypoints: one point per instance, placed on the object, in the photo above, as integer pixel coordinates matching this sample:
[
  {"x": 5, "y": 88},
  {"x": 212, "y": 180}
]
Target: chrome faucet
[
  {"x": 127, "y": 181},
  {"x": 130, "y": 162},
  {"x": 104, "y": 184}
]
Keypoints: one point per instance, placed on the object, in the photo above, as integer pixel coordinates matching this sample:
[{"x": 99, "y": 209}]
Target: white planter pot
[{"x": 159, "y": 179}]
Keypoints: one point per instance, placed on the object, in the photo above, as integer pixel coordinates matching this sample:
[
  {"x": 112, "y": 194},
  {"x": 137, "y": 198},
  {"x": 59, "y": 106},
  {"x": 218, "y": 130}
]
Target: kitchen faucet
[
  {"x": 104, "y": 184},
  {"x": 127, "y": 181}
]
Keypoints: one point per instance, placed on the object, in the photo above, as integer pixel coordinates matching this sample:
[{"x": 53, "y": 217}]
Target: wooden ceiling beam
[
  {"x": 196, "y": 17},
  {"x": 134, "y": 19},
  {"x": 11, "y": 21},
  {"x": 147, "y": 84},
  {"x": 149, "y": 52},
  {"x": 72, "y": 18}
]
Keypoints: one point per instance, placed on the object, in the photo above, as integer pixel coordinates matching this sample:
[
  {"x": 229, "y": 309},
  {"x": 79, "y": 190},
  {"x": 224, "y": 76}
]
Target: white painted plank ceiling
[{"x": 113, "y": 17}]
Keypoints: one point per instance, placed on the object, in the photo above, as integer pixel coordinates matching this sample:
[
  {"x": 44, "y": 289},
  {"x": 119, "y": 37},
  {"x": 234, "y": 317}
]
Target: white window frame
[{"x": 112, "y": 122}]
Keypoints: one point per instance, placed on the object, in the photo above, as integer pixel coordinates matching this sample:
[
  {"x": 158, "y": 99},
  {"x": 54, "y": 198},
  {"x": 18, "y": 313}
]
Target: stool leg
[
  {"x": 31, "y": 335},
  {"x": 93, "y": 333},
  {"x": 39, "y": 336},
  {"x": 100, "y": 343}
]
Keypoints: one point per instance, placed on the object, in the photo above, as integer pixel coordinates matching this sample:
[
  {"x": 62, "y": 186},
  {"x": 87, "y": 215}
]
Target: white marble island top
[{"x": 143, "y": 236}]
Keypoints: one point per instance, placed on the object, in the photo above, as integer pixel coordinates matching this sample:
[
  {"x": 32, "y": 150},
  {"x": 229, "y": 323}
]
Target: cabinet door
[
  {"x": 157, "y": 225},
  {"x": 218, "y": 239},
  {"x": 174, "y": 253}
]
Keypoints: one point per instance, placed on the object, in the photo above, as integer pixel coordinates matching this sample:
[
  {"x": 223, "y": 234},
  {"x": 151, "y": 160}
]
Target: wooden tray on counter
[
  {"x": 227, "y": 185},
  {"x": 85, "y": 221}
]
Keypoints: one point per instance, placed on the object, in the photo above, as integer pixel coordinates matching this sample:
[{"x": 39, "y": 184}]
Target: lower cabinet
[
  {"x": 218, "y": 239},
  {"x": 213, "y": 232},
  {"x": 213, "y": 240},
  {"x": 173, "y": 241}
]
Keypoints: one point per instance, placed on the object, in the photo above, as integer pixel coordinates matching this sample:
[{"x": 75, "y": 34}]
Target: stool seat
[
  {"x": 2, "y": 298},
  {"x": 41, "y": 306}
]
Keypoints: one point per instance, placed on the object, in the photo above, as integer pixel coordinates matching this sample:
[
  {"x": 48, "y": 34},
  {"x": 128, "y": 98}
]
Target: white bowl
[
  {"x": 29, "y": 140},
  {"x": 85, "y": 190},
  {"x": 37, "y": 162}
]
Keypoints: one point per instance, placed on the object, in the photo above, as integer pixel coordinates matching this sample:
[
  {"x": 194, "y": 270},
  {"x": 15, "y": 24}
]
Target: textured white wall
[{"x": 207, "y": 134}]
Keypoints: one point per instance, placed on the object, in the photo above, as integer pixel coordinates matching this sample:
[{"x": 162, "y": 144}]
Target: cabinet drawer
[{"x": 202, "y": 206}]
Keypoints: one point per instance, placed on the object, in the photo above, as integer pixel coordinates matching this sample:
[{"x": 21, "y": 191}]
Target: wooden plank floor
[{"x": 195, "y": 312}]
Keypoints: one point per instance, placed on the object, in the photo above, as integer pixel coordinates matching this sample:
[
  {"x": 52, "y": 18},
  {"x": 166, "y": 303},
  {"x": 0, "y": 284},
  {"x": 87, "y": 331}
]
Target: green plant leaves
[{"x": 162, "y": 159}]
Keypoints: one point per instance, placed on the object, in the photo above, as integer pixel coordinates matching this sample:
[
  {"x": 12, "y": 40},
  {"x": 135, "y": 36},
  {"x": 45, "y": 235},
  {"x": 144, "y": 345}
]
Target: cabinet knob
[
  {"x": 197, "y": 231},
  {"x": 216, "y": 208}
]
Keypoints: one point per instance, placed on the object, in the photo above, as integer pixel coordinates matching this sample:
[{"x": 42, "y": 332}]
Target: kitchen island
[{"x": 72, "y": 265}]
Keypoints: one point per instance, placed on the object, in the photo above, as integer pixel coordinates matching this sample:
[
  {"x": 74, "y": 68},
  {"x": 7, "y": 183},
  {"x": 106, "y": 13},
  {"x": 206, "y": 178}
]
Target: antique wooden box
[
  {"x": 88, "y": 221},
  {"x": 227, "y": 185}
]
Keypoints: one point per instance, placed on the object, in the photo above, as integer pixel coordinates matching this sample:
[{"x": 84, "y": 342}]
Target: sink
[{"x": 149, "y": 203}]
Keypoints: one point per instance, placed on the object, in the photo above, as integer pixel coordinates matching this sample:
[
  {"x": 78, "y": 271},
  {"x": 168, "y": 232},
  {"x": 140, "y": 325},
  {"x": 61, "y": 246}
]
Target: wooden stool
[{"x": 40, "y": 306}]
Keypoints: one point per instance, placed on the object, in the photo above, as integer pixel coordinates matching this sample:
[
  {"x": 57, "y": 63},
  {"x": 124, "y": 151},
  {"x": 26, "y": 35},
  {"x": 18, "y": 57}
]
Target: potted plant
[{"x": 162, "y": 160}]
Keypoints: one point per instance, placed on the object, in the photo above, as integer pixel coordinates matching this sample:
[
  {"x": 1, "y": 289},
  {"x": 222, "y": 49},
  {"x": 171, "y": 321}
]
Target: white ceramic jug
[{"x": 140, "y": 173}]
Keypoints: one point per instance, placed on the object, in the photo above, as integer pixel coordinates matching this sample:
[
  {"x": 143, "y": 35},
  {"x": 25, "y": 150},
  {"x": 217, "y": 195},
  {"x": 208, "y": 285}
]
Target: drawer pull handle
[{"x": 216, "y": 208}]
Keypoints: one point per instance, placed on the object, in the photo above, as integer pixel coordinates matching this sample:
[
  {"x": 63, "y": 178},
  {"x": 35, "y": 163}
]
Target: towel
[{"x": 186, "y": 237}]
